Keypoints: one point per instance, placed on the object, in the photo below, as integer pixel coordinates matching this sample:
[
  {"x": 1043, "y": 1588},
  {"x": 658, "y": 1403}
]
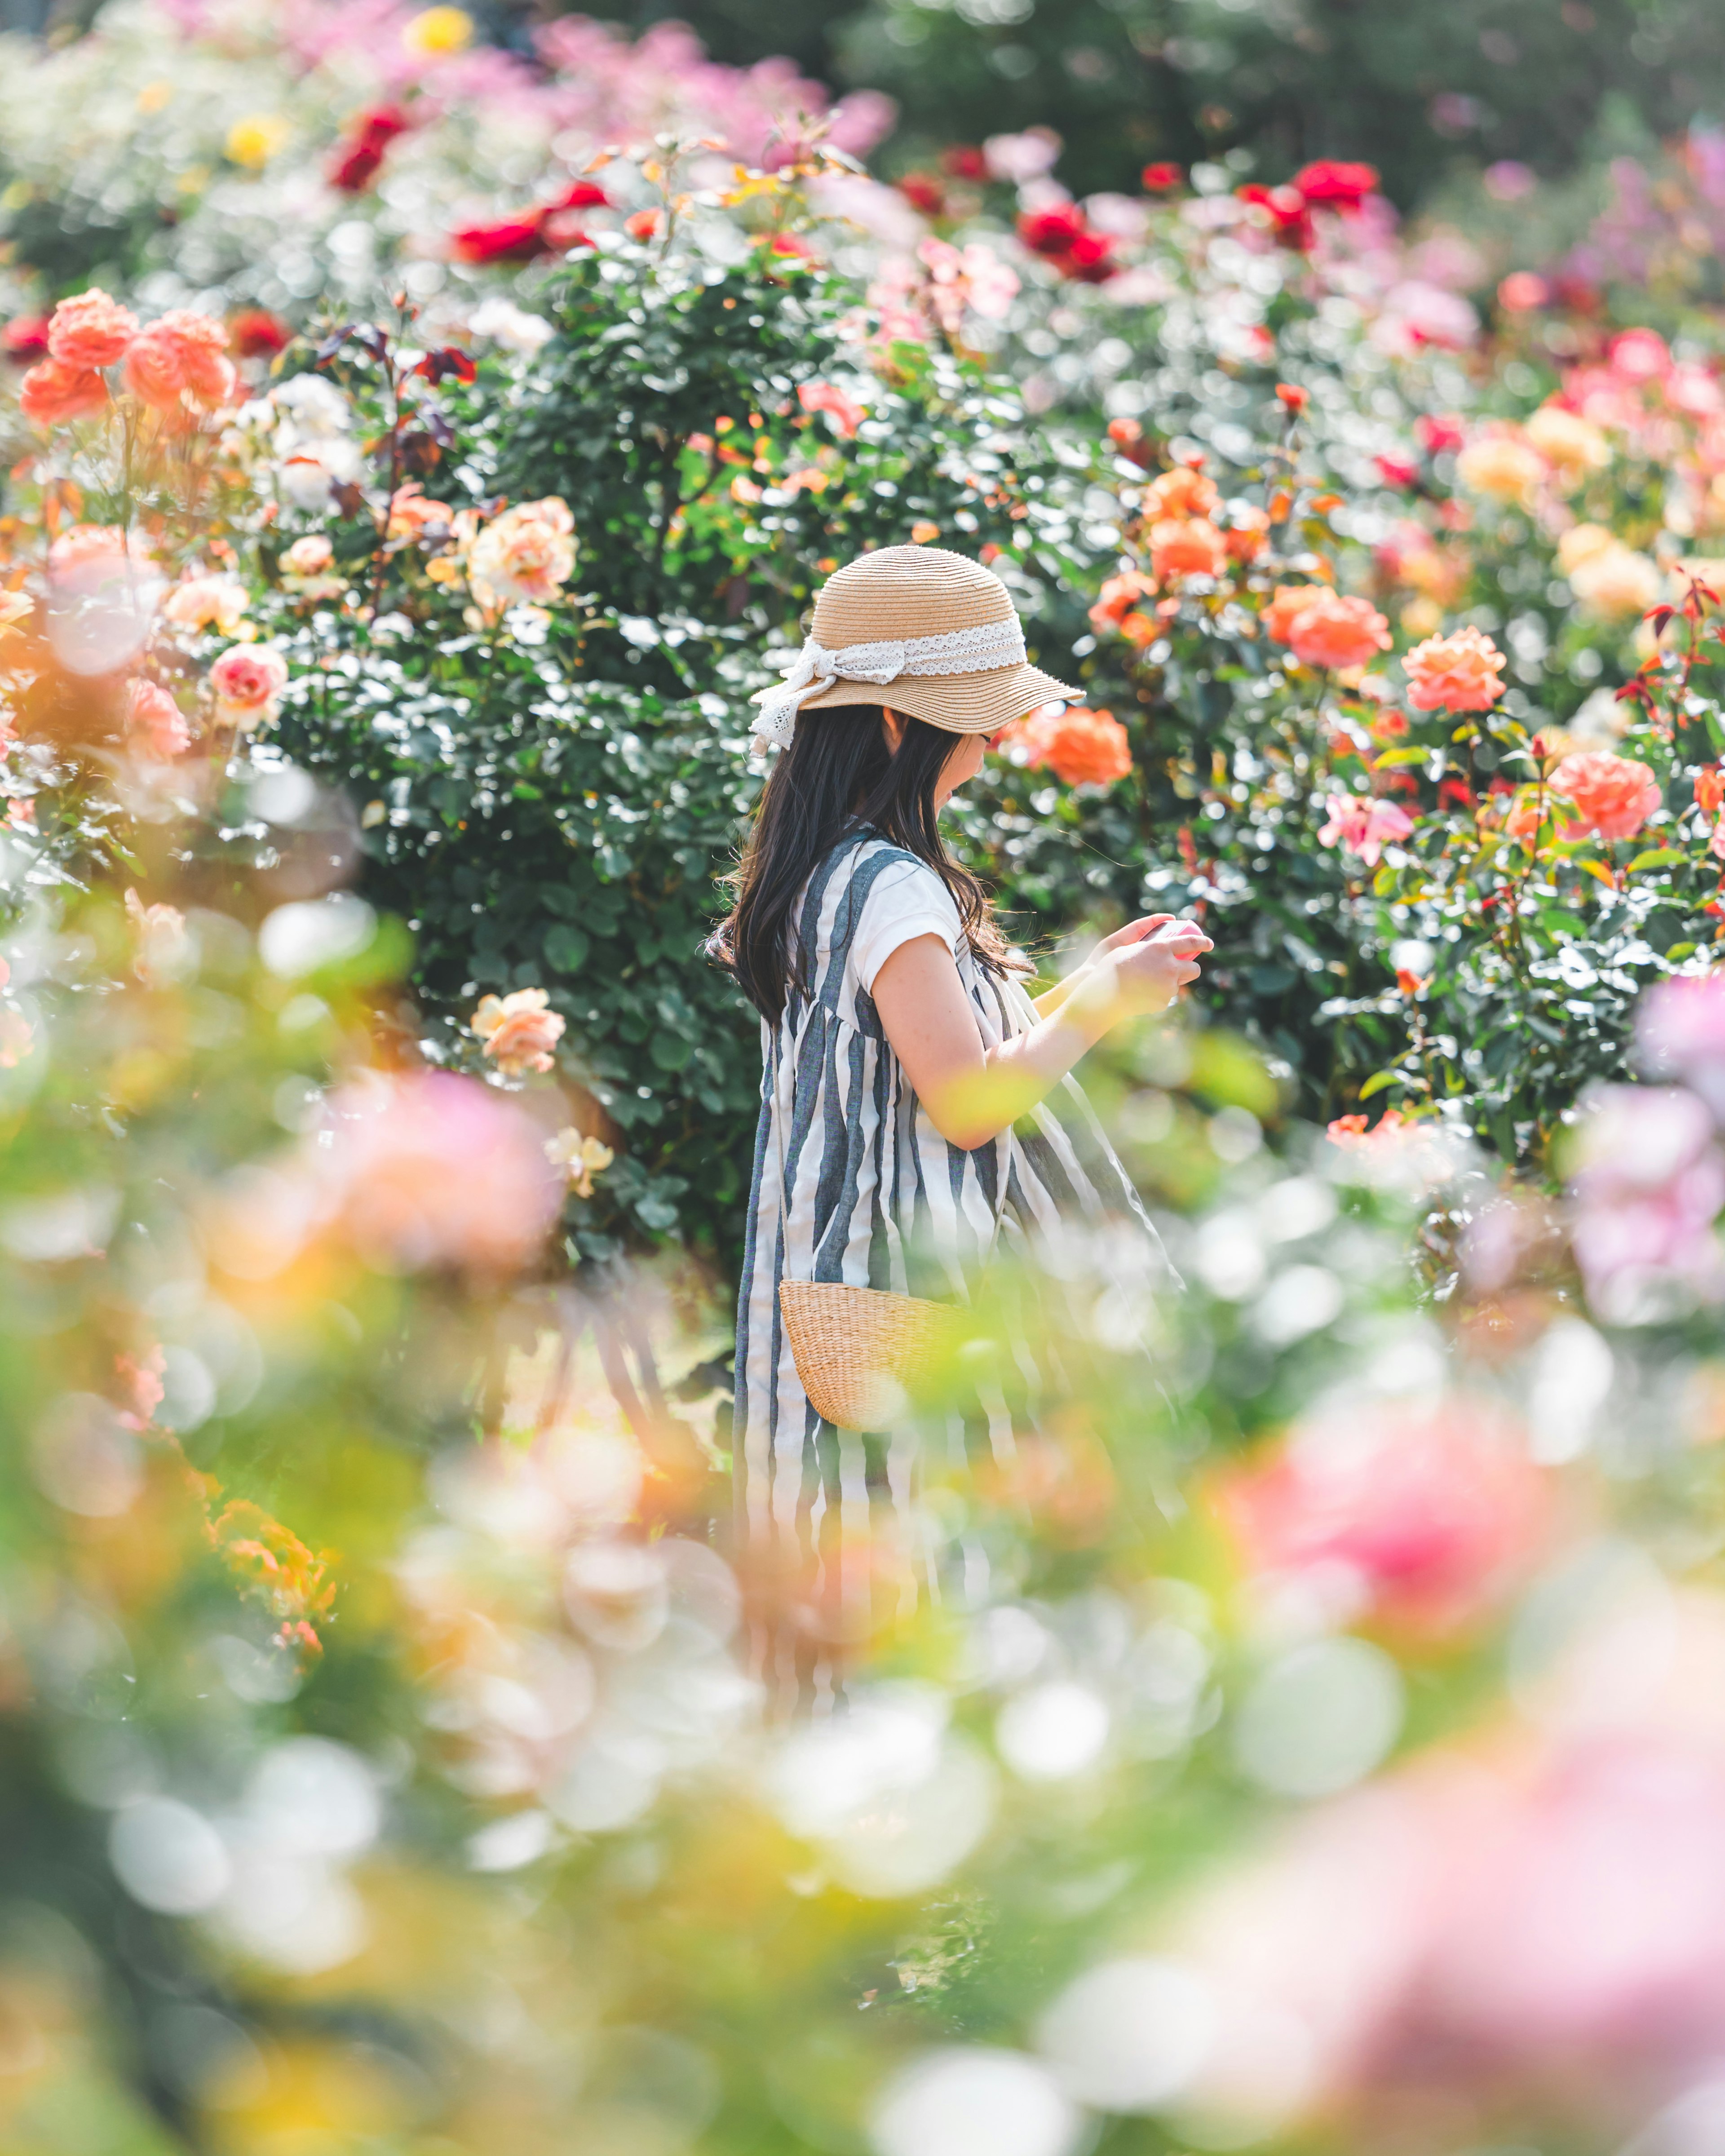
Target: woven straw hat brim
[{"x": 960, "y": 703}]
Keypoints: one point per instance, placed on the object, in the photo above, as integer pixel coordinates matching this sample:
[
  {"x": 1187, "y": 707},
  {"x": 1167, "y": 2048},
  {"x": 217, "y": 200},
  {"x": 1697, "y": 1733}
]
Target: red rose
[
  {"x": 965, "y": 162},
  {"x": 511, "y": 239},
  {"x": 924, "y": 191},
  {"x": 359, "y": 157},
  {"x": 1162, "y": 179},
  {"x": 25, "y": 338},
  {"x": 254, "y": 333},
  {"x": 1336, "y": 183},
  {"x": 1395, "y": 470},
  {"x": 1287, "y": 210},
  {"x": 583, "y": 195},
  {"x": 1052, "y": 231}
]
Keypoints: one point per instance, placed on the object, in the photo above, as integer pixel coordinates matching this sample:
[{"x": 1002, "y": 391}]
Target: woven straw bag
[{"x": 858, "y": 1349}]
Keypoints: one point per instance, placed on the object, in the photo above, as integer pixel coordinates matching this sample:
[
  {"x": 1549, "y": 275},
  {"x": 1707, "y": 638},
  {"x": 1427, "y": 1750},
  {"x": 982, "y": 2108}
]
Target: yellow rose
[
  {"x": 1581, "y": 543},
  {"x": 1617, "y": 581}
]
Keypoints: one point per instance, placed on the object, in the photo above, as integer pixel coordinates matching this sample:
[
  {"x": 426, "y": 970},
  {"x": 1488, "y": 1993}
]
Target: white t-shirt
[{"x": 904, "y": 901}]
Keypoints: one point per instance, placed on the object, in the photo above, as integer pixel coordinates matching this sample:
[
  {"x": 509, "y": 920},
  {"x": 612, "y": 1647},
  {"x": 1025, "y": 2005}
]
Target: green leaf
[
  {"x": 1378, "y": 1079},
  {"x": 1660, "y": 857},
  {"x": 1393, "y": 759},
  {"x": 566, "y": 947},
  {"x": 670, "y": 1051}
]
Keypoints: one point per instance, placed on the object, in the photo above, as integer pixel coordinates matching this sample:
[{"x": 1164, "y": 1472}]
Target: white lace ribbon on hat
[{"x": 988, "y": 645}]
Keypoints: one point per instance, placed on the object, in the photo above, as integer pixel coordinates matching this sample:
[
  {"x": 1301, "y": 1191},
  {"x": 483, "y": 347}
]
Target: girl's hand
[
  {"x": 1134, "y": 932},
  {"x": 1141, "y": 969}
]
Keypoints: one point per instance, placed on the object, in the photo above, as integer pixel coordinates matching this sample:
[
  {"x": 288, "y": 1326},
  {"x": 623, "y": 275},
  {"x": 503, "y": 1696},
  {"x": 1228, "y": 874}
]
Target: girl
[{"x": 901, "y": 1048}]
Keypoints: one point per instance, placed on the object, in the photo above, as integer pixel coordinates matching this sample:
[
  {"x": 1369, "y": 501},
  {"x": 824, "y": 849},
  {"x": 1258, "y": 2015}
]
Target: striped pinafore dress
[{"x": 871, "y": 1193}]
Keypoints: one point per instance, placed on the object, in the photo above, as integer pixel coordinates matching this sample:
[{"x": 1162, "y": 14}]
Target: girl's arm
[{"x": 972, "y": 1094}]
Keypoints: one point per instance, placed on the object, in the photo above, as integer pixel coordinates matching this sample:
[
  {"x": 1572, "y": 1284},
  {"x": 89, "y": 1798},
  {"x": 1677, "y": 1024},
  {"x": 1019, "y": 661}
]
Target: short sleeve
[{"x": 903, "y": 903}]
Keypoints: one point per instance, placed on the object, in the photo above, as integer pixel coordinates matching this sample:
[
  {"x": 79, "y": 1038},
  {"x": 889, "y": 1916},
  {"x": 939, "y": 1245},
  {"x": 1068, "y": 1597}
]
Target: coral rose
[
  {"x": 206, "y": 603},
  {"x": 1116, "y": 598},
  {"x": 1081, "y": 747},
  {"x": 519, "y": 1032},
  {"x": 1287, "y": 603},
  {"x": 1183, "y": 548},
  {"x": 1459, "y": 673},
  {"x": 1364, "y": 826},
  {"x": 90, "y": 330},
  {"x": 1248, "y": 531},
  {"x": 1502, "y": 467},
  {"x": 846, "y": 414},
  {"x": 1428, "y": 1511},
  {"x": 247, "y": 679},
  {"x": 1185, "y": 492},
  {"x": 1337, "y": 633},
  {"x": 1615, "y": 794},
  {"x": 154, "y": 721},
  {"x": 526, "y": 554},
  {"x": 51, "y": 394},
  {"x": 182, "y": 353}
]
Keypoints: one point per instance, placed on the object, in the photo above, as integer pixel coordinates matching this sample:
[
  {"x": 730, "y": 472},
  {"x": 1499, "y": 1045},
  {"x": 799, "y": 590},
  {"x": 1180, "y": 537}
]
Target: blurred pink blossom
[
  {"x": 1679, "y": 1030},
  {"x": 1363, "y": 825},
  {"x": 1647, "y": 1188}
]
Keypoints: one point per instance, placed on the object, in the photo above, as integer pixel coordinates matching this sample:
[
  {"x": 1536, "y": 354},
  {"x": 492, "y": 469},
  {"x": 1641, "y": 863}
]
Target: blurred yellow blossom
[
  {"x": 1570, "y": 444},
  {"x": 1502, "y": 467},
  {"x": 254, "y": 141},
  {"x": 437, "y": 32}
]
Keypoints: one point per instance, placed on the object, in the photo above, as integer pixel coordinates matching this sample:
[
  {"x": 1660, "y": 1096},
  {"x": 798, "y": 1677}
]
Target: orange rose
[
  {"x": 1182, "y": 548},
  {"x": 1615, "y": 794},
  {"x": 1081, "y": 747},
  {"x": 519, "y": 1032},
  {"x": 1248, "y": 532},
  {"x": 51, "y": 394},
  {"x": 1459, "y": 673},
  {"x": 182, "y": 353},
  {"x": 89, "y": 331},
  {"x": 1331, "y": 631},
  {"x": 1181, "y": 492}
]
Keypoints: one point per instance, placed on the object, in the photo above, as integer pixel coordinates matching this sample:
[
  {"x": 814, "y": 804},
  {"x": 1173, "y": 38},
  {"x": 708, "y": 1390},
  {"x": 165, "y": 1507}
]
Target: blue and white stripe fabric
[{"x": 878, "y": 1197}]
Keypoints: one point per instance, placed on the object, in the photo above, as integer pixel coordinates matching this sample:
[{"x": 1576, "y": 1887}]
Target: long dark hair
[{"x": 838, "y": 777}]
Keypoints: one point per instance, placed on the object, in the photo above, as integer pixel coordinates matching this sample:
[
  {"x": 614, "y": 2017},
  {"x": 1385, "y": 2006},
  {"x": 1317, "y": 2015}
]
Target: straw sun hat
[{"x": 923, "y": 630}]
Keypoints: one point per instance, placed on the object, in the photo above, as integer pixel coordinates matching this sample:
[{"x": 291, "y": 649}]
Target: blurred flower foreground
[{"x": 1302, "y": 1732}]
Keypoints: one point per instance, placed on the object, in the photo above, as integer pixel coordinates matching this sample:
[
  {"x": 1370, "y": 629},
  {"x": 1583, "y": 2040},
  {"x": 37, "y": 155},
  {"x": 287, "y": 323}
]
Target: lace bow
[{"x": 990, "y": 645}]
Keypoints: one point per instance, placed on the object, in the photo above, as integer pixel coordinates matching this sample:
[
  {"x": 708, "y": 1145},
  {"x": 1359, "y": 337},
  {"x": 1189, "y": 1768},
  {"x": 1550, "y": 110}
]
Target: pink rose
[
  {"x": 155, "y": 722},
  {"x": 89, "y": 331},
  {"x": 1615, "y": 794},
  {"x": 519, "y": 1032},
  {"x": 50, "y": 393},
  {"x": 309, "y": 557},
  {"x": 427, "y": 1169},
  {"x": 1680, "y": 1029},
  {"x": 1431, "y": 1511},
  {"x": 846, "y": 414},
  {"x": 1649, "y": 1184},
  {"x": 247, "y": 679},
  {"x": 1363, "y": 825}
]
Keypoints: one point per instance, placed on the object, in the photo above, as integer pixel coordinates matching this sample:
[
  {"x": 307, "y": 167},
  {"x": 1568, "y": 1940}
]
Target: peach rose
[
  {"x": 525, "y": 554},
  {"x": 519, "y": 1032},
  {"x": 50, "y": 395},
  {"x": 1616, "y": 582},
  {"x": 1336, "y": 632},
  {"x": 89, "y": 331},
  {"x": 155, "y": 722},
  {"x": 1615, "y": 794},
  {"x": 247, "y": 679},
  {"x": 1182, "y": 547},
  {"x": 1116, "y": 598},
  {"x": 1571, "y": 446},
  {"x": 1459, "y": 673},
  {"x": 309, "y": 557},
  {"x": 1501, "y": 466},
  {"x": 1581, "y": 543},
  {"x": 1082, "y": 748},
  {"x": 1181, "y": 492},
  {"x": 412, "y": 515},
  {"x": 206, "y": 603}
]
